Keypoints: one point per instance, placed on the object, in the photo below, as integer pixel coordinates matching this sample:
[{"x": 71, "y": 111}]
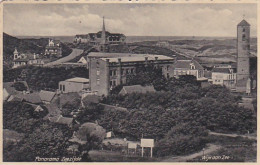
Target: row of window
[{"x": 123, "y": 71}]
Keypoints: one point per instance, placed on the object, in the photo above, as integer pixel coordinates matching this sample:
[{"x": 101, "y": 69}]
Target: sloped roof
[
  {"x": 64, "y": 120},
  {"x": 185, "y": 64},
  {"x": 136, "y": 89},
  {"x": 91, "y": 99},
  {"x": 46, "y": 95},
  {"x": 68, "y": 97},
  {"x": 222, "y": 70},
  {"x": 31, "y": 98},
  {"x": 78, "y": 79},
  {"x": 243, "y": 23}
]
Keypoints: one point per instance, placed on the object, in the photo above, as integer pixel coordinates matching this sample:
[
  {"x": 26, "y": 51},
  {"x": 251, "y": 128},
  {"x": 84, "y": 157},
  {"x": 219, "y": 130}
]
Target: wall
[{"x": 72, "y": 86}]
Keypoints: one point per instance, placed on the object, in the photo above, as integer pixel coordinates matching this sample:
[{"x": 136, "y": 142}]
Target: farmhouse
[{"x": 187, "y": 67}]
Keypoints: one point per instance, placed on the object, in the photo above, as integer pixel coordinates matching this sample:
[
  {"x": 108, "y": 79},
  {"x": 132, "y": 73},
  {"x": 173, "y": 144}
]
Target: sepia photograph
[{"x": 129, "y": 82}]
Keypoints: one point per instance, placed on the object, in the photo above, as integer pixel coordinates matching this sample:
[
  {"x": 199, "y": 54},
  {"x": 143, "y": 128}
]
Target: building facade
[
  {"x": 225, "y": 76},
  {"x": 23, "y": 59},
  {"x": 187, "y": 67},
  {"x": 107, "y": 72},
  {"x": 53, "y": 49},
  {"x": 100, "y": 39},
  {"x": 243, "y": 56},
  {"x": 76, "y": 84}
]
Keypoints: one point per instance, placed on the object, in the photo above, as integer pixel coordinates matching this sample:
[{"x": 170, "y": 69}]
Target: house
[
  {"x": 47, "y": 96},
  {"x": 136, "y": 89},
  {"x": 23, "y": 59},
  {"x": 53, "y": 49},
  {"x": 33, "y": 98},
  {"x": 224, "y": 76},
  {"x": 14, "y": 88},
  {"x": 187, "y": 67},
  {"x": 76, "y": 84},
  {"x": 107, "y": 72}
]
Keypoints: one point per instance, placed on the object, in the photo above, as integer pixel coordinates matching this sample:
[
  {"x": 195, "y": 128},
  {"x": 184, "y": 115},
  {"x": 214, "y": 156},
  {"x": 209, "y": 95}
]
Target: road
[
  {"x": 211, "y": 148},
  {"x": 73, "y": 54},
  {"x": 233, "y": 135}
]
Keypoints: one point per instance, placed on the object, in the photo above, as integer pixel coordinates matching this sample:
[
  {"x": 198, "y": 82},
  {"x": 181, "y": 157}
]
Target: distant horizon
[{"x": 201, "y": 20}]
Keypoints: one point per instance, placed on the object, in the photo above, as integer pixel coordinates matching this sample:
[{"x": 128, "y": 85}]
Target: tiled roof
[
  {"x": 136, "y": 89},
  {"x": 68, "y": 97},
  {"x": 46, "y": 95},
  {"x": 78, "y": 79},
  {"x": 31, "y": 98},
  {"x": 186, "y": 64},
  {"x": 243, "y": 23},
  {"x": 222, "y": 70}
]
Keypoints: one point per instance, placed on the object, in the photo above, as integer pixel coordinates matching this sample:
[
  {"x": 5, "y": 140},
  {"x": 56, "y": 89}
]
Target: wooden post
[
  {"x": 142, "y": 151},
  {"x": 151, "y": 152}
]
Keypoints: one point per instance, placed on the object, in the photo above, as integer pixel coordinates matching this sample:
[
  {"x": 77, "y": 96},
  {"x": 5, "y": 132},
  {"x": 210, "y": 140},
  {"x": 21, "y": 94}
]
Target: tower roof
[
  {"x": 15, "y": 50},
  {"x": 243, "y": 23}
]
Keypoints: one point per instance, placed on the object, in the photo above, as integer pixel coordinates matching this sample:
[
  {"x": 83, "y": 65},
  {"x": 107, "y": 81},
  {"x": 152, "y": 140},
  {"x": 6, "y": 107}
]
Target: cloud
[{"x": 142, "y": 19}]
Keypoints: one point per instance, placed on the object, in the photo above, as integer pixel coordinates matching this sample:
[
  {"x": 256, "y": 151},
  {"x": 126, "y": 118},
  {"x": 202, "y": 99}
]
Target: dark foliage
[
  {"x": 43, "y": 78},
  {"x": 19, "y": 86}
]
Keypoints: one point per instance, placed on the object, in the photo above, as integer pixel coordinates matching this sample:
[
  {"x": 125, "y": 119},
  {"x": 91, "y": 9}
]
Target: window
[
  {"x": 111, "y": 83},
  {"x": 114, "y": 83},
  {"x": 168, "y": 75},
  {"x": 167, "y": 68},
  {"x": 122, "y": 71},
  {"x": 111, "y": 73},
  {"x": 63, "y": 87},
  {"x": 98, "y": 82},
  {"x": 114, "y": 72},
  {"x": 132, "y": 70},
  {"x": 98, "y": 72},
  {"x": 243, "y": 37},
  {"x": 244, "y": 29},
  {"x": 60, "y": 87}
]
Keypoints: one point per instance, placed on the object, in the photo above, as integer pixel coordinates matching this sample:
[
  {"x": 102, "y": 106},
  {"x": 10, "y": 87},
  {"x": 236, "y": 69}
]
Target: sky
[{"x": 130, "y": 19}]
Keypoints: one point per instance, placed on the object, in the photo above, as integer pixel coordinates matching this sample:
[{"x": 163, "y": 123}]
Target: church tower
[
  {"x": 103, "y": 42},
  {"x": 243, "y": 55},
  {"x": 16, "y": 54}
]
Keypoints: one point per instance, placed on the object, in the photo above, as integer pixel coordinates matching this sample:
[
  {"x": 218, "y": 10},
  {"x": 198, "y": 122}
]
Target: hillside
[{"x": 25, "y": 45}]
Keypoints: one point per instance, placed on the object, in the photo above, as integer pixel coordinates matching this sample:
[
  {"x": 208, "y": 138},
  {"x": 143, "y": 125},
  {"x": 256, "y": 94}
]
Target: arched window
[{"x": 243, "y": 37}]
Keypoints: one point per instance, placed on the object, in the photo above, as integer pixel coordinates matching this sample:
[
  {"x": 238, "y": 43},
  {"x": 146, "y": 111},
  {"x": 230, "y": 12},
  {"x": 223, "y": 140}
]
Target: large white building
[{"x": 224, "y": 76}]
